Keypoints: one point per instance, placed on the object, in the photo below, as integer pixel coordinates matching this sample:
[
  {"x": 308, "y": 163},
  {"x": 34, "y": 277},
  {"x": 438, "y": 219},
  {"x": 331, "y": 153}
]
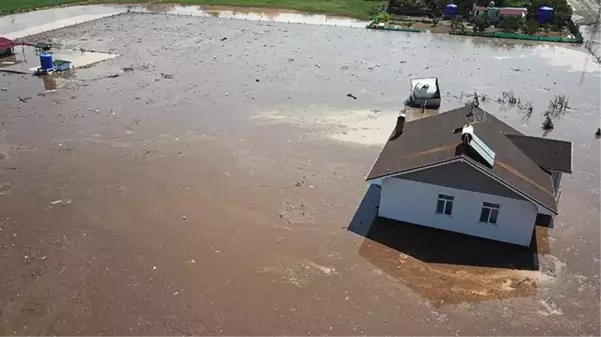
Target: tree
[
  {"x": 457, "y": 25},
  {"x": 435, "y": 8},
  {"x": 530, "y": 27},
  {"x": 481, "y": 22}
]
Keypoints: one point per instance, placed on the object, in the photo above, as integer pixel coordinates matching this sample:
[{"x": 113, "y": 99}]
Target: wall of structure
[{"x": 415, "y": 202}]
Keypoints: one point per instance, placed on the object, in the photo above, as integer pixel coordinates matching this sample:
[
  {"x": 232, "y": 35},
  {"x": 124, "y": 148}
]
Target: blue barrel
[
  {"x": 46, "y": 61},
  {"x": 545, "y": 14},
  {"x": 451, "y": 11}
]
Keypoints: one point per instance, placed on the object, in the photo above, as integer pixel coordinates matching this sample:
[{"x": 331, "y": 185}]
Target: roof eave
[{"x": 414, "y": 169}]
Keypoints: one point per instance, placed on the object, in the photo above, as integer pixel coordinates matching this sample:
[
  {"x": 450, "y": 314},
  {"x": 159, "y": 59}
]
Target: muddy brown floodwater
[{"x": 215, "y": 186}]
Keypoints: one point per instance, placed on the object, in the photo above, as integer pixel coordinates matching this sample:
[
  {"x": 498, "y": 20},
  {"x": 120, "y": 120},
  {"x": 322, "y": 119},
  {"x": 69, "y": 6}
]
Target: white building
[{"x": 466, "y": 171}]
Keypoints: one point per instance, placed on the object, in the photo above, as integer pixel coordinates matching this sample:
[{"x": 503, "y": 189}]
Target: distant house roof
[
  {"x": 550, "y": 154},
  {"x": 434, "y": 141},
  {"x": 6, "y": 43},
  {"x": 513, "y": 11}
]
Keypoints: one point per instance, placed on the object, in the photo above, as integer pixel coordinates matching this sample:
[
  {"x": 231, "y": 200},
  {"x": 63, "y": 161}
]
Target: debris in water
[
  {"x": 154, "y": 267},
  {"x": 24, "y": 99},
  {"x": 257, "y": 80},
  {"x": 184, "y": 217},
  {"x": 167, "y": 76},
  {"x": 351, "y": 96},
  {"x": 5, "y": 189},
  {"x": 4, "y": 89},
  {"x": 127, "y": 69},
  {"x": 112, "y": 76},
  {"x": 61, "y": 202},
  {"x": 598, "y": 133},
  {"x": 223, "y": 38}
]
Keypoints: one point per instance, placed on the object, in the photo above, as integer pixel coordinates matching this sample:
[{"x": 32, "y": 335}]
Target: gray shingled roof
[
  {"x": 550, "y": 154},
  {"x": 431, "y": 140}
]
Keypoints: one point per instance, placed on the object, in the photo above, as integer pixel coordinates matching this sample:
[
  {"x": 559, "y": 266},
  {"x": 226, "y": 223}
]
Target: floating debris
[
  {"x": 351, "y": 96},
  {"x": 5, "y": 188},
  {"x": 61, "y": 202}
]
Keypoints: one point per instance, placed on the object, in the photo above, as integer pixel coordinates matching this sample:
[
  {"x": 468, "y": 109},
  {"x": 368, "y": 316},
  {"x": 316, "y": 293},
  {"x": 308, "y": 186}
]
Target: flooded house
[
  {"x": 496, "y": 13},
  {"x": 468, "y": 172}
]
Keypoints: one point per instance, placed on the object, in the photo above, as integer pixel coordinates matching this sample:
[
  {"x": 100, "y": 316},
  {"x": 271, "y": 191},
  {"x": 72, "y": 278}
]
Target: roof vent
[{"x": 477, "y": 146}]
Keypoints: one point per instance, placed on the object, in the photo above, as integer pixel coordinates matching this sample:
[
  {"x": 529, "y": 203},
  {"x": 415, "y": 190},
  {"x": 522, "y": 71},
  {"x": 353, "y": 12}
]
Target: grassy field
[{"x": 362, "y": 9}]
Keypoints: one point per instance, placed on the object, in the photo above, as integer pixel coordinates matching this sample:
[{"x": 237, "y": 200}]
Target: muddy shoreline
[{"x": 218, "y": 199}]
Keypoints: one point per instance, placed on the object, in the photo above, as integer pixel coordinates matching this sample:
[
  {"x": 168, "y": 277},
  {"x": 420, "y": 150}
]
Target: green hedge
[{"x": 516, "y": 36}]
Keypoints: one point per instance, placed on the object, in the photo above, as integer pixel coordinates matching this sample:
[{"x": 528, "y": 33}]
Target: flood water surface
[
  {"x": 215, "y": 186},
  {"x": 25, "y": 24}
]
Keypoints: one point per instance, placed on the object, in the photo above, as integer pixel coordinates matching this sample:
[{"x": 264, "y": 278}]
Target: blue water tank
[
  {"x": 46, "y": 61},
  {"x": 451, "y": 11},
  {"x": 545, "y": 14}
]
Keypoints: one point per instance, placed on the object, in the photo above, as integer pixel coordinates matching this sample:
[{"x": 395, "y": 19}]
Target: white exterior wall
[{"x": 415, "y": 202}]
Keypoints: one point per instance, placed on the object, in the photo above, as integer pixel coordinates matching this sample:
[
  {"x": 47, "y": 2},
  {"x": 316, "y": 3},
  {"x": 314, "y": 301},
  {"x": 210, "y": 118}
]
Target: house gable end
[{"x": 461, "y": 175}]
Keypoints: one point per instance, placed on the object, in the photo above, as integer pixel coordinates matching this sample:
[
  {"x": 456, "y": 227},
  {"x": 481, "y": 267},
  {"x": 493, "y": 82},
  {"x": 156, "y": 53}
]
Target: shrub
[
  {"x": 530, "y": 27},
  {"x": 481, "y": 22},
  {"x": 383, "y": 17},
  {"x": 457, "y": 25}
]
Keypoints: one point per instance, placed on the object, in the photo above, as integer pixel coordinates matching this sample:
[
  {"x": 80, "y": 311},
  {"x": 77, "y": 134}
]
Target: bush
[
  {"x": 435, "y": 8},
  {"x": 457, "y": 25},
  {"x": 530, "y": 27},
  {"x": 481, "y": 22},
  {"x": 510, "y": 24},
  {"x": 383, "y": 17}
]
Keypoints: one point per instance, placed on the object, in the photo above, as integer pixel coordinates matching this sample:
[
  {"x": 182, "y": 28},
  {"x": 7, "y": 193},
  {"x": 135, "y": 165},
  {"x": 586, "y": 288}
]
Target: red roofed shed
[{"x": 6, "y": 46}]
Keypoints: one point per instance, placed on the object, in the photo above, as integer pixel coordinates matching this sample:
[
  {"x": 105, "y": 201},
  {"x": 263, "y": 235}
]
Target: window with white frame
[
  {"x": 445, "y": 204},
  {"x": 489, "y": 213}
]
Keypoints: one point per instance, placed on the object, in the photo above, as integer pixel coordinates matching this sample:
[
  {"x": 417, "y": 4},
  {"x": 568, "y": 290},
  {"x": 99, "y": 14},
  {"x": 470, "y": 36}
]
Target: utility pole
[{"x": 591, "y": 41}]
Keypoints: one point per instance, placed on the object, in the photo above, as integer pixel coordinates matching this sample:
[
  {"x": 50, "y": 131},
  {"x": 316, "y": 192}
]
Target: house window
[
  {"x": 489, "y": 213},
  {"x": 445, "y": 204}
]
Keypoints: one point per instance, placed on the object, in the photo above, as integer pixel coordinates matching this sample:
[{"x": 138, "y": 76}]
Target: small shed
[
  {"x": 6, "y": 46},
  {"x": 62, "y": 65}
]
